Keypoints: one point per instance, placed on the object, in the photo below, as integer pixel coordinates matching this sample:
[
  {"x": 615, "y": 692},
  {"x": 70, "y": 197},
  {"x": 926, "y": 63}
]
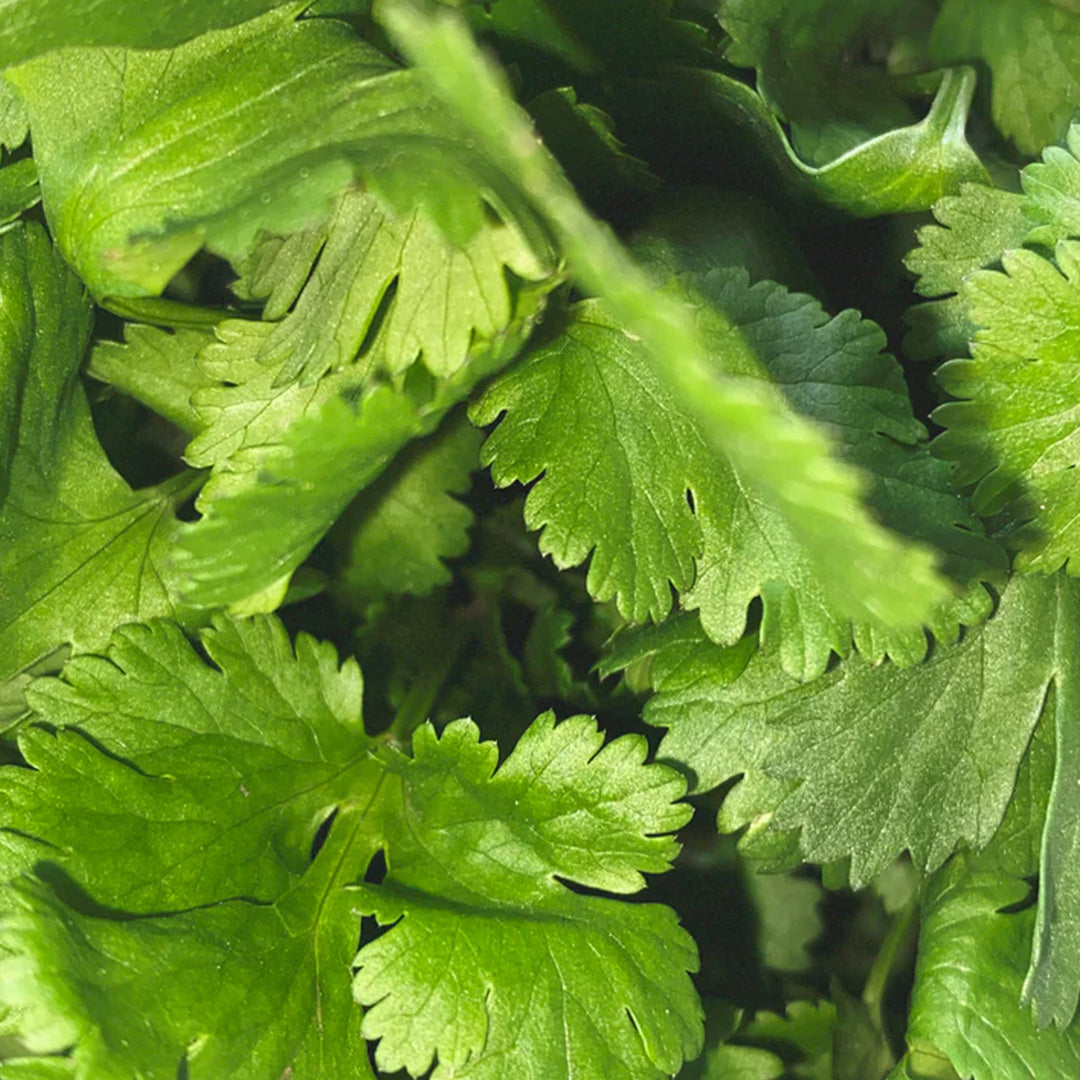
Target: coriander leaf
[
  {"x": 1053, "y": 980},
  {"x": 286, "y": 111},
  {"x": 967, "y": 982},
  {"x": 1012, "y": 430},
  {"x": 30, "y": 27},
  {"x": 1052, "y": 191},
  {"x": 80, "y": 552},
  {"x": 396, "y": 534},
  {"x": 16, "y": 342},
  {"x": 598, "y": 36},
  {"x": 1032, "y": 48},
  {"x": 217, "y": 795},
  {"x": 789, "y": 920},
  {"x": 443, "y": 296},
  {"x": 14, "y": 123},
  {"x": 474, "y": 899},
  {"x": 974, "y": 228},
  {"x": 627, "y": 477},
  {"x": 583, "y": 136},
  {"x": 18, "y": 189},
  {"x": 257, "y": 527},
  {"x": 785, "y": 460},
  {"x": 811, "y": 70},
  {"x": 157, "y": 367},
  {"x": 903, "y": 170},
  {"x": 180, "y": 801},
  {"x": 236, "y": 989},
  {"x": 288, "y": 459},
  {"x": 867, "y": 762}
]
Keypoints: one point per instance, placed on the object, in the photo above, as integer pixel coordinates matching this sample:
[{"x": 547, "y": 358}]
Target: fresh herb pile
[{"x": 536, "y": 539}]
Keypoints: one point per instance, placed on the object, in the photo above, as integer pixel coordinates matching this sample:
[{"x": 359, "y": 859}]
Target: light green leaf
[
  {"x": 444, "y": 296},
  {"x": 80, "y": 552},
  {"x": 1013, "y": 430},
  {"x": 30, "y": 27},
  {"x": 157, "y": 367},
  {"x": 14, "y": 123},
  {"x": 784, "y": 459},
  {"x": 18, "y": 189},
  {"x": 1052, "y": 192},
  {"x": 288, "y": 459},
  {"x": 967, "y": 982},
  {"x": 867, "y": 762},
  {"x": 789, "y": 921},
  {"x": 397, "y": 533},
  {"x": 974, "y": 228},
  {"x": 133, "y": 186},
  {"x": 217, "y": 795},
  {"x": 1032, "y": 48},
  {"x": 178, "y": 801},
  {"x": 475, "y": 904},
  {"x": 631, "y": 480},
  {"x": 237, "y": 989}
]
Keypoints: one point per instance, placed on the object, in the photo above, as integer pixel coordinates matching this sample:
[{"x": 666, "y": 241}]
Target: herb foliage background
[{"x": 538, "y": 539}]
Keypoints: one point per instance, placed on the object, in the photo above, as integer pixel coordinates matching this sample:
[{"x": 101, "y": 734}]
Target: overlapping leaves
[
  {"x": 162, "y": 835},
  {"x": 666, "y": 510}
]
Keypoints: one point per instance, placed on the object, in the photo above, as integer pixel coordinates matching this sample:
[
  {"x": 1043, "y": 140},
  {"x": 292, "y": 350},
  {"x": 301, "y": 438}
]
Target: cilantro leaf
[
  {"x": 1032, "y": 48},
  {"x": 287, "y": 109},
  {"x": 80, "y": 552},
  {"x": 216, "y": 796},
  {"x": 181, "y": 800},
  {"x": 397, "y": 533},
  {"x": 867, "y": 762},
  {"x": 974, "y": 228},
  {"x": 474, "y": 901},
  {"x": 276, "y": 447},
  {"x": 668, "y": 511},
  {"x": 162, "y": 824},
  {"x": 781, "y": 457},
  {"x": 147, "y": 996},
  {"x": 967, "y": 982},
  {"x": 902, "y": 170},
  {"x": 18, "y": 189},
  {"x": 14, "y": 123},
  {"x": 157, "y": 367},
  {"x": 444, "y": 296},
  {"x": 1019, "y": 448},
  {"x": 30, "y": 27}
]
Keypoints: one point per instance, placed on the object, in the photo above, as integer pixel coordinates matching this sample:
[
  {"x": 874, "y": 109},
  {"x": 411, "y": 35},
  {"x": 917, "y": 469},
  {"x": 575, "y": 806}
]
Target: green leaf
[
  {"x": 974, "y": 228},
  {"x": 18, "y": 189},
  {"x": 786, "y": 460},
  {"x": 289, "y": 458},
  {"x": 157, "y": 367},
  {"x": 867, "y": 762},
  {"x": 443, "y": 296},
  {"x": 473, "y": 896},
  {"x": 30, "y": 27},
  {"x": 14, "y": 123},
  {"x": 216, "y": 796},
  {"x": 1012, "y": 430},
  {"x": 80, "y": 552},
  {"x": 397, "y": 533},
  {"x": 631, "y": 480},
  {"x": 147, "y": 996},
  {"x": 967, "y": 982},
  {"x": 179, "y": 802},
  {"x": 789, "y": 921},
  {"x": 903, "y": 170},
  {"x": 287, "y": 111},
  {"x": 1032, "y": 48}
]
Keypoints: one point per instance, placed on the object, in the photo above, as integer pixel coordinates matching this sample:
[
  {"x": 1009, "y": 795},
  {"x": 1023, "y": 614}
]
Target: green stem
[{"x": 892, "y": 948}]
